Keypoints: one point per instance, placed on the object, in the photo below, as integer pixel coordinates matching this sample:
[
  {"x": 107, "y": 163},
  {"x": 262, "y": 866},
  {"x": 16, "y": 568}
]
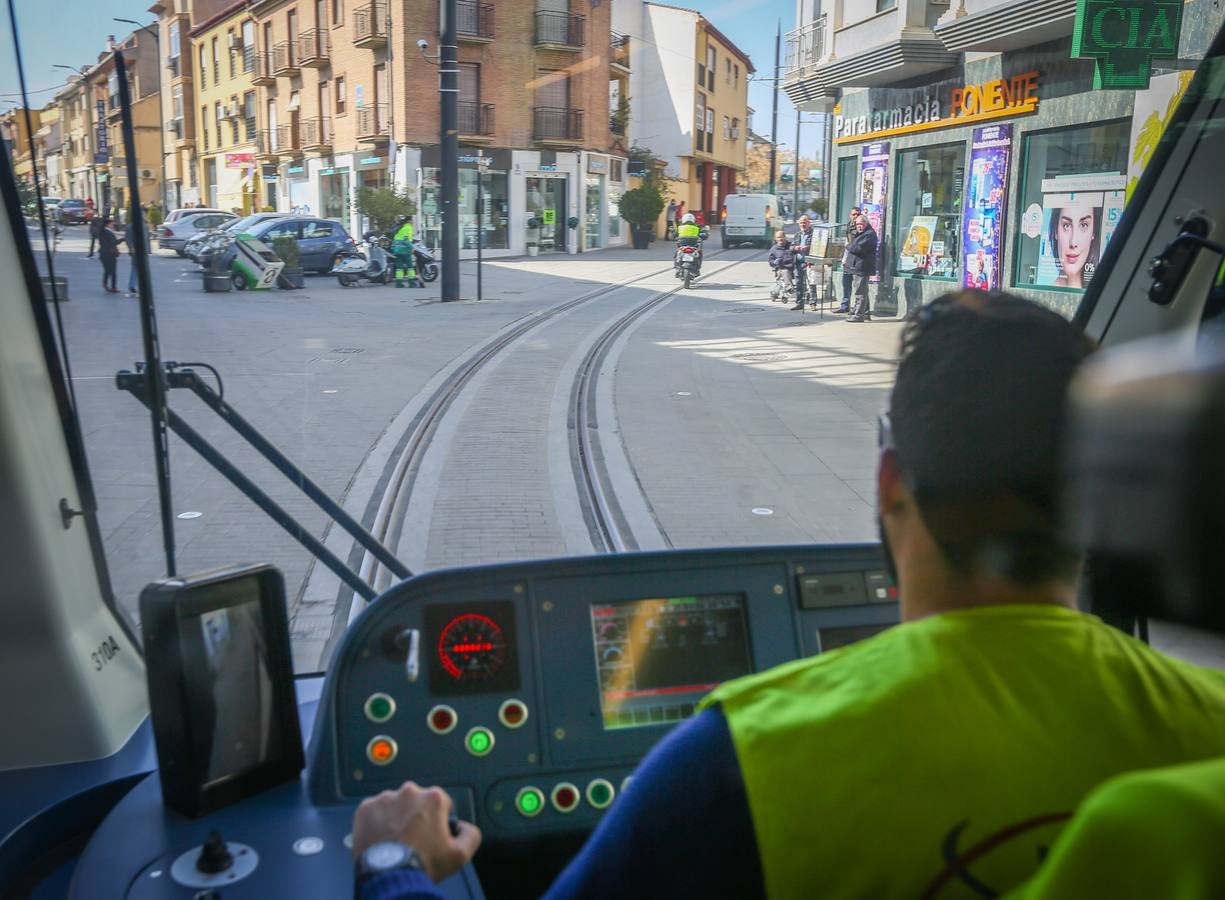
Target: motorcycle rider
[
  {"x": 689, "y": 234},
  {"x": 402, "y": 251}
]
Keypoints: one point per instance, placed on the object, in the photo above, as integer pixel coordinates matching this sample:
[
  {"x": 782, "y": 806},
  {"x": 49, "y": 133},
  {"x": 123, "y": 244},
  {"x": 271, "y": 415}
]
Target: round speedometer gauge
[{"x": 472, "y": 648}]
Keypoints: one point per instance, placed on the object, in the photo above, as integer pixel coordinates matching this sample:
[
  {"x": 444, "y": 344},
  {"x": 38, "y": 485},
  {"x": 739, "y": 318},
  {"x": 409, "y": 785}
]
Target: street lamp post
[{"x": 448, "y": 140}]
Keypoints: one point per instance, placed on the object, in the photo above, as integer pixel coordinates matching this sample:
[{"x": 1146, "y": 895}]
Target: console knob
[{"x": 215, "y": 856}]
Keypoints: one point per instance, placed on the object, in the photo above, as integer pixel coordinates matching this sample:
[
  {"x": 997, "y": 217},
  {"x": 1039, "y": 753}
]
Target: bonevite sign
[{"x": 1000, "y": 98}]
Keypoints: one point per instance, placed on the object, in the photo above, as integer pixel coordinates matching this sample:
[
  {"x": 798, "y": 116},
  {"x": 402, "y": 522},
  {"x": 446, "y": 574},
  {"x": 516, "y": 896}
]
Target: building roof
[
  {"x": 220, "y": 16},
  {"x": 710, "y": 26}
]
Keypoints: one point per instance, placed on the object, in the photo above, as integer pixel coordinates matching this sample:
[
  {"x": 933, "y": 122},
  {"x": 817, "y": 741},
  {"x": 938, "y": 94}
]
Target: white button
[{"x": 307, "y": 846}]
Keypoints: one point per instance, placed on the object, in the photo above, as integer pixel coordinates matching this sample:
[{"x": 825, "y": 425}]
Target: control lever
[
  {"x": 453, "y": 824},
  {"x": 215, "y": 855},
  {"x": 409, "y": 640}
]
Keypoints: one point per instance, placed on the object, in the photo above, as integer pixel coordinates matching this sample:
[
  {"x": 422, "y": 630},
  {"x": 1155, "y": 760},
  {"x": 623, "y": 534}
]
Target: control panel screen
[
  {"x": 656, "y": 658},
  {"x": 833, "y": 638},
  {"x": 472, "y": 647}
]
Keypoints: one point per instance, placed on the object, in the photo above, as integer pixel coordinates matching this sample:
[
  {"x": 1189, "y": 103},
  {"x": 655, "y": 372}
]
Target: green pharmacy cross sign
[{"x": 1124, "y": 37}]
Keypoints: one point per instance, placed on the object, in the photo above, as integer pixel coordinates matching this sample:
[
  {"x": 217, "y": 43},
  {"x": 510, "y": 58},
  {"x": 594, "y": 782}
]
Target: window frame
[
  {"x": 899, "y": 238},
  {"x": 340, "y": 84}
]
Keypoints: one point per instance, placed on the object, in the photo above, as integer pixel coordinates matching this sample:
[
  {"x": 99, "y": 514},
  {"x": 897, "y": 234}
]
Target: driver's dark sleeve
[
  {"x": 401, "y": 884},
  {"x": 682, "y": 829}
]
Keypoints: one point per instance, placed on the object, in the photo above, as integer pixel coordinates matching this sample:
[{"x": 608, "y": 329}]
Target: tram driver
[{"x": 938, "y": 758}]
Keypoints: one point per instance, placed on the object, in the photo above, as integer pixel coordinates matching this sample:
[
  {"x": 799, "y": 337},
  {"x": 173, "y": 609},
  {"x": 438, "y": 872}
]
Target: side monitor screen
[{"x": 656, "y": 658}]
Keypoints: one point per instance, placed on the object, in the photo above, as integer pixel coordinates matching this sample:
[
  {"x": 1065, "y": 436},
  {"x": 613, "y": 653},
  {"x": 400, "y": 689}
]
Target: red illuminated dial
[{"x": 472, "y": 648}]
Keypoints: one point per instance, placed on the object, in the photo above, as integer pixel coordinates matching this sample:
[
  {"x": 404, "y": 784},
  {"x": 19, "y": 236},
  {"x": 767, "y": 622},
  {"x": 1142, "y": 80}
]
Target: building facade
[
  {"x": 16, "y": 134},
  {"x": 225, "y": 111},
  {"x": 688, "y": 100},
  {"x": 968, "y": 133},
  {"x": 78, "y": 177}
]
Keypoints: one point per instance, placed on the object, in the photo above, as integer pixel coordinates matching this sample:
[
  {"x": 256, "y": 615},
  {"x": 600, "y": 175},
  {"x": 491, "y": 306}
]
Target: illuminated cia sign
[{"x": 1123, "y": 37}]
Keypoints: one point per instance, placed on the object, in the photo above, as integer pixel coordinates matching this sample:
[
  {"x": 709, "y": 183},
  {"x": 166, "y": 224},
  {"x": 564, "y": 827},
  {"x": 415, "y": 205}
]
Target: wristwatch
[{"x": 386, "y": 856}]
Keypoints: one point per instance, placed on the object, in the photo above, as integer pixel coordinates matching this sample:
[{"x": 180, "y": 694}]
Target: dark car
[
  {"x": 320, "y": 241},
  {"x": 74, "y": 212}
]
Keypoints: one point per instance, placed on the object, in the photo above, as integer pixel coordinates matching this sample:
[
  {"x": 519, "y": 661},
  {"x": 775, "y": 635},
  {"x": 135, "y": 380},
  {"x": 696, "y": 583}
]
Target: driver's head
[{"x": 968, "y": 479}]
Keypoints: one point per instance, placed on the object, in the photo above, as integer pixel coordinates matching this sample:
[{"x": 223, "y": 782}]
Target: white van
[{"x": 751, "y": 219}]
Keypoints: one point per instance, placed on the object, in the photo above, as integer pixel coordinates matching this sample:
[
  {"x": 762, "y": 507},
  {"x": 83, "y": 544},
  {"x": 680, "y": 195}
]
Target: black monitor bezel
[{"x": 164, "y": 606}]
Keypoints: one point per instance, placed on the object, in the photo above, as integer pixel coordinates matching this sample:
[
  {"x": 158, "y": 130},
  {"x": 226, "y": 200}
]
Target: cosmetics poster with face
[
  {"x": 1076, "y": 227},
  {"x": 982, "y": 239},
  {"x": 874, "y": 186}
]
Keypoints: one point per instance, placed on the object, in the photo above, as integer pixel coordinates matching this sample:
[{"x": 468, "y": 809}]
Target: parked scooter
[
  {"x": 427, "y": 264},
  {"x": 372, "y": 263}
]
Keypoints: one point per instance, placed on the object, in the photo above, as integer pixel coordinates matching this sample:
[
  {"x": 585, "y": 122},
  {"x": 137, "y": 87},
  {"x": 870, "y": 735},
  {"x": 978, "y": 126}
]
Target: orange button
[
  {"x": 381, "y": 750},
  {"x": 512, "y": 713}
]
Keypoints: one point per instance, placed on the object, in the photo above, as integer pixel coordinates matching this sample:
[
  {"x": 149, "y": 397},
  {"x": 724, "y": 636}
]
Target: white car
[
  {"x": 175, "y": 214},
  {"x": 175, "y": 235}
]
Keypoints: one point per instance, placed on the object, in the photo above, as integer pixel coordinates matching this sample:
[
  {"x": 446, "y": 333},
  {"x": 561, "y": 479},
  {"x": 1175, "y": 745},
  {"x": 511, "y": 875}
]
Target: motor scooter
[
  {"x": 371, "y": 264},
  {"x": 425, "y": 261},
  {"x": 686, "y": 264}
]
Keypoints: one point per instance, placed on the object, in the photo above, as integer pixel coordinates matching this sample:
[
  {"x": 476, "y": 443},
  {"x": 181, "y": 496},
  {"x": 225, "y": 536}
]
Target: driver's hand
[{"x": 416, "y": 816}]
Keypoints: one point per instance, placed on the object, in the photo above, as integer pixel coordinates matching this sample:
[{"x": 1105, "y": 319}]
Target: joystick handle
[
  {"x": 453, "y": 824},
  {"x": 215, "y": 855}
]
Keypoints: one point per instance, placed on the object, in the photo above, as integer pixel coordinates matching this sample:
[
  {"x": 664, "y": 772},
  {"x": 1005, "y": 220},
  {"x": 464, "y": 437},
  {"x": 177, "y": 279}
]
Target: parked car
[
  {"x": 204, "y": 242},
  {"x": 175, "y": 214},
  {"x": 321, "y": 242},
  {"x": 73, "y": 212},
  {"x": 174, "y": 235}
]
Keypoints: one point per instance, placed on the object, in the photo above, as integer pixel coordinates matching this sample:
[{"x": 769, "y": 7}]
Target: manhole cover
[
  {"x": 760, "y": 357},
  {"x": 347, "y": 350}
]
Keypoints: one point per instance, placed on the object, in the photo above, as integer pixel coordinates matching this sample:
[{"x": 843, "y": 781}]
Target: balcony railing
[
  {"x": 284, "y": 59},
  {"x": 313, "y": 48},
  {"x": 559, "y": 29},
  {"x": 473, "y": 20},
  {"x": 555, "y": 123},
  {"x": 261, "y": 68},
  {"x": 805, "y": 49},
  {"x": 370, "y": 25},
  {"x": 372, "y": 123},
  {"x": 316, "y": 133},
  {"x": 476, "y": 118},
  {"x": 266, "y": 143},
  {"x": 619, "y": 50},
  {"x": 288, "y": 139}
]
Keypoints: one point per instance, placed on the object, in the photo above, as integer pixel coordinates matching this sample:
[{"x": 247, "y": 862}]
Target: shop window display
[
  {"x": 928, "y": 210},
  {"x": 494, "y": 220},
  {"x": 1072, "y": 195}
]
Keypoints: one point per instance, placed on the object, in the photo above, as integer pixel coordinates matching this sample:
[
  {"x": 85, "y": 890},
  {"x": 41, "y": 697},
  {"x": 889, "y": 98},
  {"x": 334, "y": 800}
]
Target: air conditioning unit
[
  {"x": 234, "y": 42},
  {"x": 235, "y": 110},
  {"x": 172, "y": 125},
  {"x": 146, "y": 173}
]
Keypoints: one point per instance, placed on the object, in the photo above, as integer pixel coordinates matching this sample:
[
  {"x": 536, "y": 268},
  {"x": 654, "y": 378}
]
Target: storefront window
[
  {"x": 1072, "y": 195},
  {"x": 334, "y": 194},
  {"x": 614, "y": 209},
  {"x": 594, "y": 238},
  {"x": 546, "y": 206},
  {"x": 848, "y": 186},
  {"x": 927, "y": 228},
  {"x": 494, "y": 221}
]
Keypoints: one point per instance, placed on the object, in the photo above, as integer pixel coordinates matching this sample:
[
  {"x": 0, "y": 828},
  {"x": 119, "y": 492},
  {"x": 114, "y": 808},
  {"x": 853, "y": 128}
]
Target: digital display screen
[
  {"x": 471, "y": 648},
  {"x": 832, "y": 638},
  {"x": 228, "y": 681},
  {"x": 656, "y": 658}
]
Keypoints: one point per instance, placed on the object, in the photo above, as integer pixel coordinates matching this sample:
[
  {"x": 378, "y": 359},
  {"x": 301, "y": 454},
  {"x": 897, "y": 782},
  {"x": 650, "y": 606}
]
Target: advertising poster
[
  {"x": 920, "y": 244},
  {"x": 982, "y": 238},
  {"x": 1153, "y": 110},
  {"x": 874, "y": 184},
  {"x": 1079, "y": 216}
]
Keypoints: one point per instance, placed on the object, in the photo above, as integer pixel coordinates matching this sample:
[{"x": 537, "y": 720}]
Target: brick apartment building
[{"x": 346, "y": 99}]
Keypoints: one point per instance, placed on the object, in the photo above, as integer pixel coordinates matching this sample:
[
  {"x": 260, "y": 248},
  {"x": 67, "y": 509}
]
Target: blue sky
[{"x": 73, "y": 32}]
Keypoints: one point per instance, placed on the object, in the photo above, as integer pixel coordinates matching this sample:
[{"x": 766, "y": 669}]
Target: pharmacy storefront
[{"x": 997, "y": 181}]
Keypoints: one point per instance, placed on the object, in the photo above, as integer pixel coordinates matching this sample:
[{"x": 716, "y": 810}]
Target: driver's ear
[{"x": 891, "y": 491}]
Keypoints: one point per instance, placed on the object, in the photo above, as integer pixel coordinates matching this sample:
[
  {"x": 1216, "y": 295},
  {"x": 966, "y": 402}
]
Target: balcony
[
  {"x": 476, "y": 120},
  {"x": 372, "y": 123},
  {"x": 266, "y": 145},
  {"x": 313, "y": 49},
  {"x": 261, "y": 69},
  {"x": 316, "y": 134},
  {"x": 370, "y": 25},
  {"x": 285, "y": 59},
  {"x": 473, "y": 21},
  {"x": 619, "y": 53},
  {"x": 555, "y": 124},
  {"x": 559, "y": 30},
  {"x": 998, "y": 25},
  {"x": 287, "y": 140}
]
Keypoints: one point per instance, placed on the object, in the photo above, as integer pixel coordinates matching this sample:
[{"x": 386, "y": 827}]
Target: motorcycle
[
  {"x": 426, "y": 264},
  {"x": 686, "y": 262},
  {"x": 373, "y": 264}
]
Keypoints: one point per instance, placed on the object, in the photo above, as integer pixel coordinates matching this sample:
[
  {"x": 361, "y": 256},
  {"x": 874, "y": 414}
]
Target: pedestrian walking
[
  {"x": 861, "y": 252},
  {"x": 671, "y": 220},
  {"x": 108, "y": 254},
  {"x": 847, "y": 277},
  {"x": 800, "y": 248}
]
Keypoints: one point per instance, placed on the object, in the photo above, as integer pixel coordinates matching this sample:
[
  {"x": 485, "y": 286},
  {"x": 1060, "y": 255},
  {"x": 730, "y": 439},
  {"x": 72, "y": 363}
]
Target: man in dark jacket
[
  {"x": 847, "y": 278},
  {"x": 801, "y": 246},
  {"x": 861, "y": 262}
]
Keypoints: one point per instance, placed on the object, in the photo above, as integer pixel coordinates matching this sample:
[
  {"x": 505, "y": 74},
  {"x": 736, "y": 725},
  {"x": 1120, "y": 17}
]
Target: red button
[
  {"x": 512, "y": 713},
  {"x": 442, "y": 719},
  {"x": 565, "y": 797}
]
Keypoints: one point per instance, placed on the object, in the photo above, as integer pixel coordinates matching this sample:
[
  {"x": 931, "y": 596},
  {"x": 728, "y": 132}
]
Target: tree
[
  {"x": 384, "y": 206},
  {"x": 757, "y": 168},
  {"x": 620, "y": 119}
]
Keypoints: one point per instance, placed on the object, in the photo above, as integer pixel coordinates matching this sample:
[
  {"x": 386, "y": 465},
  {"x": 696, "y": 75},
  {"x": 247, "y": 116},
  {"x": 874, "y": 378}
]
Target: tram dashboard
[{"x": 528, "y": 691}]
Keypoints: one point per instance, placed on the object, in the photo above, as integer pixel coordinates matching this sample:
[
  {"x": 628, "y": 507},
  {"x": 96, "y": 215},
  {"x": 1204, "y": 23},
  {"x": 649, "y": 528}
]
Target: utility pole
[
  {"x": 448, "y": 140},
  {"x": 778, "y": 41},
  {"x": 795, "y": 170}
]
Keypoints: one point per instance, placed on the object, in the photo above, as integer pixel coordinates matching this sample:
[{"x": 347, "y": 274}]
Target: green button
[
  {"x": 529, "y": 801},
  {"x": 599, "y": 793},
  {"x": 479, "y": 741},
  {"x": 380, "y": 708}
]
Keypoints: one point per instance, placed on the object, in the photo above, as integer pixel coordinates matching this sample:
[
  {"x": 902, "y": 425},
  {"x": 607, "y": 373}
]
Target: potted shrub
[
  {"x": 641, "y": 208},
  {"x": 291, "y": 277}
]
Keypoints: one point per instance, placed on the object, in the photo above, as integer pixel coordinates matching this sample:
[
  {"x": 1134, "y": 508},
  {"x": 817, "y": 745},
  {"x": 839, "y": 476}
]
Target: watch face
[{"x": 386, "y": 855}]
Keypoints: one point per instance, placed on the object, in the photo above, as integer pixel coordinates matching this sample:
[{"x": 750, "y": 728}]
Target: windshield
[{"x": 584, "y": 386}]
